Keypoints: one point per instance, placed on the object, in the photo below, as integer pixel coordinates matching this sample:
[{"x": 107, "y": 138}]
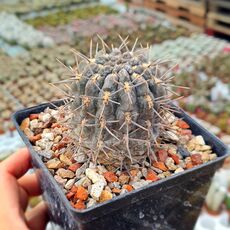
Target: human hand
[{"x": 15, "y": 190}]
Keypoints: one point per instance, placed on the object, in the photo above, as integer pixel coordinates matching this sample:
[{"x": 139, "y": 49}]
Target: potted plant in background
[{"x": 116, "y": 153}]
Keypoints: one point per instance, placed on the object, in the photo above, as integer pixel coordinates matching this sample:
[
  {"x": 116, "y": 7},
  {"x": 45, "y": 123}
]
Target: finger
[
  {"x": 18, "y": 163},
  {"x": 23, "y": 199},
  {"x": 37, "y": 218},
  {"x": 30, "y": 184}
]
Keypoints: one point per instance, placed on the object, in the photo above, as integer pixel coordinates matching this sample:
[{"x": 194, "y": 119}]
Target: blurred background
[{"x": 194, "y": 33}]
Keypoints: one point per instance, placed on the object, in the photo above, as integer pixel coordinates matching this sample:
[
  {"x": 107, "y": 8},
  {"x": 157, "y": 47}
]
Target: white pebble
[
  {"x": 69, "y": 184},
  {"x": 97, "y": 189},
  {"x": 94, "y": 177}
]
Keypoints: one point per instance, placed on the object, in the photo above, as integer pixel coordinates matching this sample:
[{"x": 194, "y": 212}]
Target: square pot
[{"x": 170, "y": 203}]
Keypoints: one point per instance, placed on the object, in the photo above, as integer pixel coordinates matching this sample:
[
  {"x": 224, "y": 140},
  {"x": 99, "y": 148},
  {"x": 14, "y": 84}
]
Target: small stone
[
  {"x": 65, "y": 160},
  {"x": 205, "y": 147},
  {"x": 107, "y": 188},
  {"x": 81, "y": 194},
  {"x": 33, "y": 116},
  {"x": 79, "y": 205},
  {"x": 74, "y": 167},
  {"x": 69, "y": 184},
  {"x": 45, "y": 117},
  {"x": 123, "y": 179},
  {"x": 199, "y": 140},
  {"x": 80, "y": 158},
  {"x": 191, "y": 145},
  {"x": 116, "y": 190},
  {"x": 60, "y": 180},
  {"x": 65, "y": 173},
  {"x": 172, "y": 136},
  {"x": 141, "y": 183},
  {"x": 187, "y": 159},
  {"x": 196, "y": 159},
  {"x": 152, "y": 176},
  {"x": 182, "y": 124},
  {"x": 91, "y": 202},
  {"x": 46, "y": 153},
  {"x": 162, "y": 155},
  {"x": 84, "y": 181},
  {"x": 114, "y": 185},
  {"x": 94, "y": 177},
  {"x": 189, "y": 165},
  {"x": 96, "y": 190},
  {"x": 105, "y": 196},
  {"x": 161, "y": 175},
  {"x": 167, "y": 174},
  {"x": 170, "y": 164},
  {"x": 53, "y": 164},
  {"x": 44, "y": 144},
  {"x": 123, "y": 191},
  {"x": 28, "y": 133},
  {"x": 160, "y": 165},
  {"x": 69, "y": 195},
  {"x": 81, "y": 170},
  {"x": 25, "y": 124},
  {"x": 35, "y": 138},
  {"x": 144, "y": 172},
  {"x": 34, "y": 124},
  {"x": 205, "y": 157},
  {"x": 147, "y": 164},
  {"x": 101, "y": 169},
  {"x": 178, "y": 170},
  {"x": 110, "y": 176},
  {"x": 212, "y": 156},
  {"x": 48, "y": 136},
  {"x": 175, "y": 157},
  {"x": 128, "y": 187},
  {"x": 133, "y": 172},
  {"x": 57, "y": 139}
]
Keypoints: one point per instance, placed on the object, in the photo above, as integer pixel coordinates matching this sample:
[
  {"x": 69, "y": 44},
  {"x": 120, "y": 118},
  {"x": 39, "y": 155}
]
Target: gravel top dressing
[{"x": 85, "y": 183}]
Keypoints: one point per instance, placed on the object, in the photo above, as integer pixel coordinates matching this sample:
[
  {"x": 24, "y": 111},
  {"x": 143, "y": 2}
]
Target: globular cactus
[{"x": 119, "y": 102}]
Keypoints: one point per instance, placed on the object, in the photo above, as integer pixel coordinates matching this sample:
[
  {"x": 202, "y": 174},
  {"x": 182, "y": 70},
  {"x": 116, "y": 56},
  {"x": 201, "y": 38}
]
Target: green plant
[
  {"x": 62, "y": 18},
  {"x": 119, "y": 101}
]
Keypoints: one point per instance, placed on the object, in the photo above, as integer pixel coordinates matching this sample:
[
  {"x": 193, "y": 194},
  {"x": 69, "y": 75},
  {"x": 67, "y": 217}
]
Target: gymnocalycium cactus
[{"x": 120, "y": 104}]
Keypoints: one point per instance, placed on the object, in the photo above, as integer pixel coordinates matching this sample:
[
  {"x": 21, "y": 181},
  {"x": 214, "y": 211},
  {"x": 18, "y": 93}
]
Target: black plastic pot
[{"x": 171, "y": 203}]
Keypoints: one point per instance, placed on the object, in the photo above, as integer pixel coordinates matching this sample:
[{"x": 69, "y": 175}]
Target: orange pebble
[
  {"x": 69, "y": 195},
  {"x": 79, "y": 205},
  {"x": 162, "y": 155},
  {"x": 82, "y": 193},
  {"x": 110, "y": 176},
  {"x": 160, "y": 165},
  {"x": 175, "y": 158},
  {"x": 152, "y": 176},
  {"x": 74, "y": 167},
  {"x": 196, "y": 159},
  {"x": 133, "y": 172},
  {"x": 116, "y": 190},
  {"x": 55, "y": 125},
  {"x": 128, "y": 187},
  {"x": 33, "y": 116},
  {"x": 182, "y": 124},
  {"x": 189, "y": 165},
  {"x": 73, "y": 189}
]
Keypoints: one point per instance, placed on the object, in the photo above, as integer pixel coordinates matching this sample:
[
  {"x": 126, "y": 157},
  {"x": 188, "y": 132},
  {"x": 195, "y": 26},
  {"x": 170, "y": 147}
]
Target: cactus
[{"x": 120, "y": 104}]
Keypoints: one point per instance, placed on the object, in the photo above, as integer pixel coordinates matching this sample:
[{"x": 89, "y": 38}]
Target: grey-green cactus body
[{"x": 119, "y": 102}]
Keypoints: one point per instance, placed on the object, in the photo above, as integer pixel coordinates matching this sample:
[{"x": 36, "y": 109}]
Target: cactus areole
[{"x": 119, "y": 101}]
